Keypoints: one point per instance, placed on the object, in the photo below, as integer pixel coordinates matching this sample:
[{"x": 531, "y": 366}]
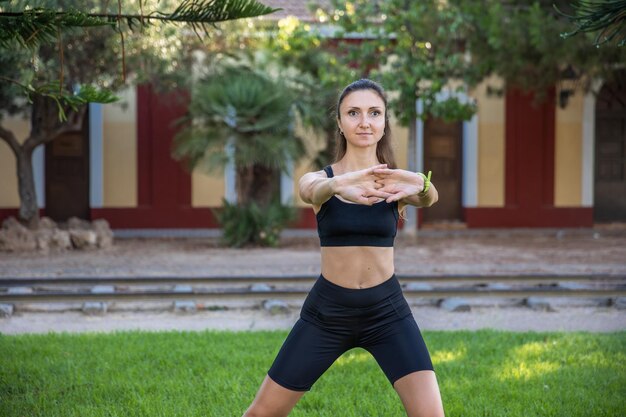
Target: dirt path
[
  {"x": 436, "y": 254},
  {"x": 592, "y": 319}
]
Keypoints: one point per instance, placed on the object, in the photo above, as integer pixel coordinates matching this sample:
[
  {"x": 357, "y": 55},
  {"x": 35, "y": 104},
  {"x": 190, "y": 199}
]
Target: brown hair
[{"x": 384, "y": 151}]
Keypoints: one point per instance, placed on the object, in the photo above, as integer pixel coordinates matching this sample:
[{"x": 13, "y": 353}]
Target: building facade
[{"x": 516, "y": 163}]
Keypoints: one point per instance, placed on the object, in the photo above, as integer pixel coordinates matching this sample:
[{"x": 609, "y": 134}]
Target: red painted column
[
  {"x": 170, "y": 184},
  {"x": 529, "y": 160},
  {"x": 164, "y": 186}
]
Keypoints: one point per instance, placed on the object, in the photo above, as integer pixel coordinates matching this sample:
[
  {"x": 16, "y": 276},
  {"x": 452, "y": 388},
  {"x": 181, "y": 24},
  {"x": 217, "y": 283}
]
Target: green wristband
[{"x": 426, "y": 183}]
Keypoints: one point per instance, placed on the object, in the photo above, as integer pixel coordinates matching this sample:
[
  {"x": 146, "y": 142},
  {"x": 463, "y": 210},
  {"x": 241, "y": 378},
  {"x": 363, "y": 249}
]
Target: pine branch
[
  {"x": 40, "y": 25},
  {"x": 33, "y": 27},
  {"x": 30, "y": 28},
  {"x": 64, "y": 99},
  {"x": 608, "y": 17}
]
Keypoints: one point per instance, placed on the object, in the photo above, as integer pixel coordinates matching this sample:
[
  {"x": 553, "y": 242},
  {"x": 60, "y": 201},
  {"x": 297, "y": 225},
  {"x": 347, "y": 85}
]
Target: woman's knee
[
  {"x": 419, "y": 392},
  {"x": 273, "y": 400}
]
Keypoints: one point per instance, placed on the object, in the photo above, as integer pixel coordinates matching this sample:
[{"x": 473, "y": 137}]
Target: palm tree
[{"x": 242, "y": 116}]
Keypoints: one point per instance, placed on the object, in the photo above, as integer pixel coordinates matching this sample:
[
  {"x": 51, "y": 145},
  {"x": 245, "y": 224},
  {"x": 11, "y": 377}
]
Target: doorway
[
  {"x": 442, "y": 156},
  {"x": 67, "y": 175},
  {"x": 610, "y": 152}
]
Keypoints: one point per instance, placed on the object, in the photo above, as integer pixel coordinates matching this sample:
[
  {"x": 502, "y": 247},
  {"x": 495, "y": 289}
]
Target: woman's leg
[
  {"x": 272, "y": 400},
  {"x": 419, "y": 392},
  {"x": 306, "y": 354},
  {"x": 399, "y": 349}
]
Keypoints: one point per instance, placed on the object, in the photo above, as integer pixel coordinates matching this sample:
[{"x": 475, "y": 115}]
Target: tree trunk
[
  {"x": 45, "y": 127},
  {"x": 243, "y": 183},
  {"x": 264, "y": 185},
  {"x": 29, "y": 211},
  {"x": 256, "y": 183}
]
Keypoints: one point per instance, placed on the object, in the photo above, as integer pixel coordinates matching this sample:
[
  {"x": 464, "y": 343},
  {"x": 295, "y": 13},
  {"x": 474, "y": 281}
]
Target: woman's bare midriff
[{"x": 357, "y": 266}]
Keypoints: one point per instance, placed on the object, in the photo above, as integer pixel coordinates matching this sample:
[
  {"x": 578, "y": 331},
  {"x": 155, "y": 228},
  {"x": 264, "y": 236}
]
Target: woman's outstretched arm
[
  {"x": 358, "y": 187},
  {"x": 407, "y": 187},
  {"x": 316, "y": 188}
]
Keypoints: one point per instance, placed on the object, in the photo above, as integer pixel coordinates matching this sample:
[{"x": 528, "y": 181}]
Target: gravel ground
[
  {"x": 491, "y": 252},
  {"x": 579, "y": 251},
  {"x": 591, "y": 319}
]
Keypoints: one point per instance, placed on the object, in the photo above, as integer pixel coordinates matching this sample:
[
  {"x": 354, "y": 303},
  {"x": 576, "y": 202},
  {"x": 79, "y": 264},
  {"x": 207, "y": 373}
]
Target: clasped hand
[{"x": 378, "y": 183}]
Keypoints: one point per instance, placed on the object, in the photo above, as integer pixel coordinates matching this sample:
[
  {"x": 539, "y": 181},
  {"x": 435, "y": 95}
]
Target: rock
[
  {"x": 54, "y": 239},
  {"x": 260, "y": 288},
  {"x": 104, "y": 233},
  {"x": 47, "y": 223},
  {"x": 6, "y": 310},
  {"x": 76, "y": 233},
  {"x": 276, "y": 306},
  {"x": 20, "y": 290},
  {"x": 60, "y": 239},
  {"x": 418, "y": 286},
  {"x": 574, "y": 286},
  {"x": 498, "y": 286},
  {"x": 11, "y": 223},
  {"x": 43, "y": 239},
  {"x": 83, "y": 239},
  {"x": 103, "y": 289},
  {"x": 183, "y": 288},
  {"x": 185, "y": 307},
  {"x": 15, "y": 237},
  {"x": 94, "y": 307},
  {"x": 602, "y": 302},
  {"x": 76, "y": 223},
  {"x": 100, "y": 224},
  {"x": 620, "y": 303},
  {"x": 455, "y": 304},
  {"x": 538, "y": 304}
]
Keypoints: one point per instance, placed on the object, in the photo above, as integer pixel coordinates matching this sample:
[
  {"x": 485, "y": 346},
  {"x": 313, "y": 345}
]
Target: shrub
[{"x": 254, "y": 224}]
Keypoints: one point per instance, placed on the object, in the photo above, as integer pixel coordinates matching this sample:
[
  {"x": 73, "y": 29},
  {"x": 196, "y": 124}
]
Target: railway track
[{"x": 104, "y": 289}]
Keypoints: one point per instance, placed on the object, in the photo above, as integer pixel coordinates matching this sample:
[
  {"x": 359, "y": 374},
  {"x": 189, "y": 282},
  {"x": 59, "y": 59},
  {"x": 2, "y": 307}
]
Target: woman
[{"x": 357, "y": 300}]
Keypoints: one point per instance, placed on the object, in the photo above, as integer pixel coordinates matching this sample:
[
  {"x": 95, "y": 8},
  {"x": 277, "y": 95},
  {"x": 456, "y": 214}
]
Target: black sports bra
[{"x": 350, "y": 224}]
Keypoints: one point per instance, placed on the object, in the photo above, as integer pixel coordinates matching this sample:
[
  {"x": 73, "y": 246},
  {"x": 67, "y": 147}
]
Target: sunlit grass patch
[
  {"x": 442, "y": 356},
  {"x": 355, "y": 355},
  {"x": 480, "y": 373}
]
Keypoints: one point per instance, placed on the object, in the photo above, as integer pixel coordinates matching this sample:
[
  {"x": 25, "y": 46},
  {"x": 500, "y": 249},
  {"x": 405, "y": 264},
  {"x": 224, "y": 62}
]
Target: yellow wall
[
  {"x": 401, "y": 143},
  {"x": 207, "y": 190},
  {"x": 119, "y": 146},
  {"x": 491, "y": 141},
  {"x": 313, "y": 143},
  {"x": 120, "y": 160},
  {"x": 568, "y": 153},
  {"x": 9, "y": 198}
]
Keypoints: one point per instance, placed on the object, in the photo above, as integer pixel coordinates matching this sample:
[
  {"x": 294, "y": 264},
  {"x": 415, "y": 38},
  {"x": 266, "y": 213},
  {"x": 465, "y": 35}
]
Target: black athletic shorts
[{"x": 335, "y": 319}]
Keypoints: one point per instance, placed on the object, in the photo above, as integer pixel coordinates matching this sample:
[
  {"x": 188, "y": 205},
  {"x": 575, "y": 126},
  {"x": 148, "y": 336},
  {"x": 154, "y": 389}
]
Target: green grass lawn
[{"x": 481, "y": 373}]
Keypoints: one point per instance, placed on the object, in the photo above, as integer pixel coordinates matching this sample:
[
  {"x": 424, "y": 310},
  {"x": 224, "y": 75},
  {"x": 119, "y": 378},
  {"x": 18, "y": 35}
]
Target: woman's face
[{"x": 362, "y": 118}]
